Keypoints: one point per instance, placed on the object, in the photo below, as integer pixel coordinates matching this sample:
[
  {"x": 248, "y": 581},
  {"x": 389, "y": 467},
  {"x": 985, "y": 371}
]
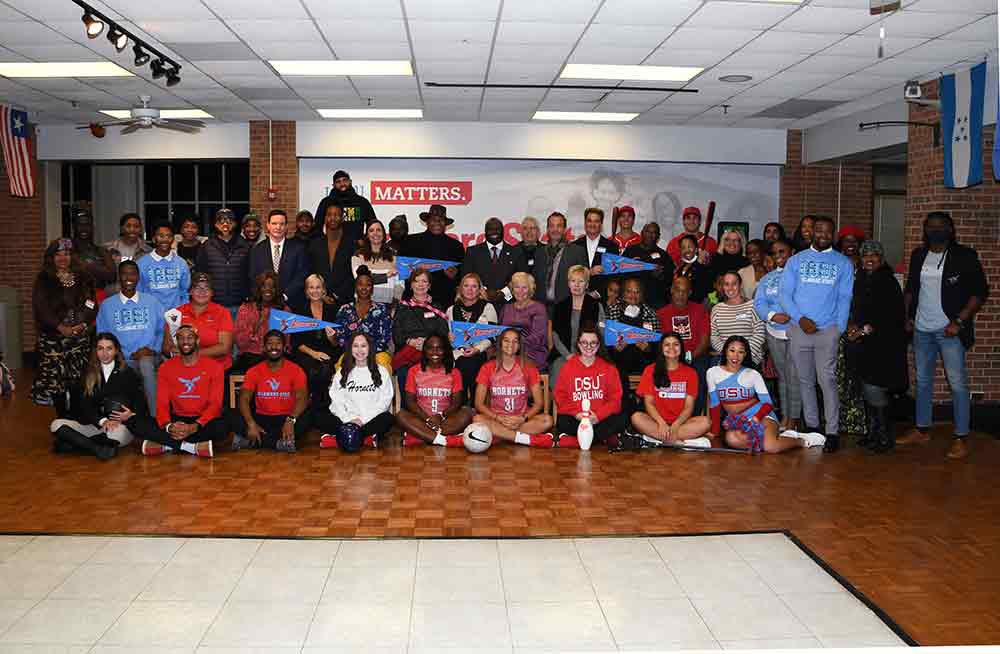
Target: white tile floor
[{"x": 164, "y": 595}]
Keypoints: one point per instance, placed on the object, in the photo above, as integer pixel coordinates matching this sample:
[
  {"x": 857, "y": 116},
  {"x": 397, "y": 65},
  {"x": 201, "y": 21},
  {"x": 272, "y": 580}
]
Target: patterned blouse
[{"x": 377, "y": 324}]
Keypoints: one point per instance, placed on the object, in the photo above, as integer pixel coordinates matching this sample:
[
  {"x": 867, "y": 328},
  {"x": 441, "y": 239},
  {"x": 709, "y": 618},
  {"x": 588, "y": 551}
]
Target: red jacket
[
  {"x": 600, "y": 382},
  {"x": 189, "y": 391}
]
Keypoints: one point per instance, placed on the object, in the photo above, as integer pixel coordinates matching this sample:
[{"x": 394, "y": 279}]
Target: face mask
[
  {"x": 938, "y": 236},
  {"x": 632, "y": 311},
  {"x": 690, "y": 259}
]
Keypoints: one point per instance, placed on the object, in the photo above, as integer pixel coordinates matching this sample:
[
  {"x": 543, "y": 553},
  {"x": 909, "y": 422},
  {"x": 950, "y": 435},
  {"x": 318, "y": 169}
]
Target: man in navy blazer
[
  {"x": 494, "y": 261},
  {"x": 596, "y": 246},
  {"x": 292, "y": 261}
]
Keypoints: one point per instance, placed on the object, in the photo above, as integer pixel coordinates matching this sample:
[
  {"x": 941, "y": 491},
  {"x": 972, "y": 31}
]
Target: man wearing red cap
[
  {"x": 625, "y": 236},
  {"x": 707, "y": 245}
]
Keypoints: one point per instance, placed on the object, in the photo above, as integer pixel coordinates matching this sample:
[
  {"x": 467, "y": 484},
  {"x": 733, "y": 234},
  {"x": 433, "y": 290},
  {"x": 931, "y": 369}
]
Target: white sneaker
[
  {"x": 650, "y": 440},
  {"x": 812, "y": 439},
  {"x": 701, "y": 442}
]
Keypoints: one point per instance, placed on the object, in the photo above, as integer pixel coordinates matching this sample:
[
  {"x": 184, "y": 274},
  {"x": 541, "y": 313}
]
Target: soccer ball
[{"x": 477, "y": 438}]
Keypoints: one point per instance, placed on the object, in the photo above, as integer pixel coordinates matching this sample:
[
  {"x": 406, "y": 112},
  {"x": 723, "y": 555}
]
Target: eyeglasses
[{"x": 589, "y": 343}]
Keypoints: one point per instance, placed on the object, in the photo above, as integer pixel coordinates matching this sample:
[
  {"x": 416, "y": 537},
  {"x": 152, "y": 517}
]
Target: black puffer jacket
[{"x": 227, "y": 264}]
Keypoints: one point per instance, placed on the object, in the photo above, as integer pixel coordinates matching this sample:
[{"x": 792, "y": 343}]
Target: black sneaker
[
  {"x": 832, "y": 443},
  {"x": 625, "y": 442}
]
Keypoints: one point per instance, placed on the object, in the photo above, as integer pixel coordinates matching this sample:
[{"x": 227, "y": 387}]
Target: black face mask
[{"x": 938, "y": 236}]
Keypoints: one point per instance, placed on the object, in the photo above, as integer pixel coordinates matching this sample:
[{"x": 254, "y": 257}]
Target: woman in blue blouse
[{"x": 366, "y": 316}]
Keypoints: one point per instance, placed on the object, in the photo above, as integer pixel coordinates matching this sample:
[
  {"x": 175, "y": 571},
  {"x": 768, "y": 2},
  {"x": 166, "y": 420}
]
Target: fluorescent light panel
[
  {"x": 64, "y": 69},
  {"x": 164, "y": 113},
  {"x": 371, "y": 113},
  {"x": 639, "y": 73},
  {"x": 336, "y": 67},
  {"x": 586, "y": 116}
]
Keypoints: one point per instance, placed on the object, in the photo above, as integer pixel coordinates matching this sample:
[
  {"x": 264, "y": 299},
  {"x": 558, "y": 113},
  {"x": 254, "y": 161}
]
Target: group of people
[{"x": 140, "y": 342}]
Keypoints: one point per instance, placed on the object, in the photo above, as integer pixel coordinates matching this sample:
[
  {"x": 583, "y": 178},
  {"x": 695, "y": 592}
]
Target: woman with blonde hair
[
  {"x": 568, "y": 316},
  {"x": 317, "y": 351},
  {"x": 471, "y": 306},
  {"x": 530, "y": 316}
]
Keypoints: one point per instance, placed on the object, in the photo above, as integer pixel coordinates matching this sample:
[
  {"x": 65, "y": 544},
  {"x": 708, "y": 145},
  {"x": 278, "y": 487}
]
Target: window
[
  {"x": 185, "y": 189},
  {"x": 77, "y": 192}
]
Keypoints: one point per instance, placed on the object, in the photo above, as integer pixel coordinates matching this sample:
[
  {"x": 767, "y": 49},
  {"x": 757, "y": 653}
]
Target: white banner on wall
[{"x": 476, "y": 189}]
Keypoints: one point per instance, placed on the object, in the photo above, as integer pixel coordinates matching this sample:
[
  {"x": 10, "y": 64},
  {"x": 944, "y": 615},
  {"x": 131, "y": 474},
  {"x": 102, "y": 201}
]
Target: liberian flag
[
  {"x": 962, "y": 96},
  {"x": 16, "y": 152}
]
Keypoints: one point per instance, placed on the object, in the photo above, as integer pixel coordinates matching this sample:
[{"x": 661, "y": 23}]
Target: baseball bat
[{"x": 709, "y": 219}]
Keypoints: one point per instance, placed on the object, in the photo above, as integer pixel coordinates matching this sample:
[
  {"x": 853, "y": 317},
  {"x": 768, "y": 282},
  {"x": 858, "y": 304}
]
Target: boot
[
  {"x": 867, "y": 440},
  {"x": 886, "y": 438},
  {"x": 98, "y": 448},
  {"x": 832, "y": 443}
]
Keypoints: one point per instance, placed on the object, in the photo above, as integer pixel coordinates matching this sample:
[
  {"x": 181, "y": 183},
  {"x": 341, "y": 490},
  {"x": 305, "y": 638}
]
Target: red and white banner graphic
[{"x": 383, "y": 192}]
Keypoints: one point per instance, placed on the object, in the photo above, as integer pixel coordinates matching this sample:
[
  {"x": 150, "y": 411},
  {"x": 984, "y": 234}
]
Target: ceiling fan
[{"x": 146, "y": 117}]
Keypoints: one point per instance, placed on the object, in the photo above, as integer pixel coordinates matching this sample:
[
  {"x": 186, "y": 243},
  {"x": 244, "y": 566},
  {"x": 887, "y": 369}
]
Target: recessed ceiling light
[
  {"x": 587, "y": 116},
  {"x": 371, "y": 113},
  {"x": 122, "y": 114},
  {"x": 334, "y": 67},
  {"x": 64, "y": 69},
  {"x": 735, "y": 79},
  {"x": 643, "y": 73}
]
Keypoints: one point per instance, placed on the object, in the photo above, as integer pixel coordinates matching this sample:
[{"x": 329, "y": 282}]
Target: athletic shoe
[
  {"x": 204, "y": 449},
  {"x": 239, "y": 442},
  {"x": 152, "y": 448},
  {"x": 701, "y": 442},
  {"x": 832, "y": 443},
  {"x": 542, "y": 440},
  {"x": 649, "y": 441},
  {"x": 455, "y": 440},
  {"x": 811, "y": 439},
  {"x": 371, "y": 441},
  {"x": 565, "y": 440},
  {"x": 411, "y": 441},
  {"x": 285, "y": 446},
  {"x": 328, "y": 441},
  {"x": 625, "y": 442}
]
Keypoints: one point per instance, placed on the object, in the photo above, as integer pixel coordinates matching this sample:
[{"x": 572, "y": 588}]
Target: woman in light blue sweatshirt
[
  {"x": 767, "y": 304},
  {"x": 163, "y": 273}
]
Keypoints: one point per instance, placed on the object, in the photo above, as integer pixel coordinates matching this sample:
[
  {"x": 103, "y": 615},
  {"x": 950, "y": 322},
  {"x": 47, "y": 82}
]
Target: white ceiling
[{"x": 819, "y": 50}]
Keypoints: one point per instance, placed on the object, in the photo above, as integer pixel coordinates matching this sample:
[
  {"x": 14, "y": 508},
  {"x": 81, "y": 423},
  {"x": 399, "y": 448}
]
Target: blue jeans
[{"x": 926, "y": 346}]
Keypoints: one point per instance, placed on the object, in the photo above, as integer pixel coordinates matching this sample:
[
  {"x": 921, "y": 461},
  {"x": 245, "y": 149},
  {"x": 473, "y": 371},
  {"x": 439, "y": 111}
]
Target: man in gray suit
[{"x": 554, "y": 260}]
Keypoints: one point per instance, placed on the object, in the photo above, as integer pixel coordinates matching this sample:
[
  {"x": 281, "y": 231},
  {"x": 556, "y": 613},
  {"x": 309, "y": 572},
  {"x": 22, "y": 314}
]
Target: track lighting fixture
[
  {"x": 157, "y": 68},
  {"x": 141, "y": 58},
  {"x": 93, "y": 26},
  {"x": 173, "y": 77},
  {"x": 118, "y": 38}
]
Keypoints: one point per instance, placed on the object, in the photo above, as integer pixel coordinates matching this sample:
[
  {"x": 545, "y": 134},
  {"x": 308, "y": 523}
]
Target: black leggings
[
  {"x": 377, "y": 426},
  {"x": 271, "y": 425},
  {"x": 613, "y": 424},
  {"x": 148, "y": 429}
]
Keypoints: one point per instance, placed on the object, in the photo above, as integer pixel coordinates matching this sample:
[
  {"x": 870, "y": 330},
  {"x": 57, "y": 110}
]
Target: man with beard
[
  {"x": 596, "y": 246},
  {"x": 530, "y": 235},
  {"x": 399, "y": 229},
  {"x": 95, "y": 259},
  {"x": 188, "y": 402},
  {"x": 330, "y": 256},
  {"x": 653, "y": 281},
  {"x": 435, "y": 244},
  {"x": 273, "y": 401},
  {"x": 494, "y": 261},
  {"x": 304, "y": 226},
  {"x": 553, "y": 261},
  {"x": 251, "y": 229},
  {"x": 357, "y": 210},
  {"x": 225, "y": 257}
]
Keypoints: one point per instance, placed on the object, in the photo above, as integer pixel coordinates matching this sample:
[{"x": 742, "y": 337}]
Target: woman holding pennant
[
  {"x": 632, "y": 358},
  {"x": 316, "y": 350},
  {"x": 471, "y": 306}
]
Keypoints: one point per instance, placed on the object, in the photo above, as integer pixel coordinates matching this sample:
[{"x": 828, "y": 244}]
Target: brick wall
[
  {"x": 976, "y": 212},
  {"x": 284, "y": 168},
  {"x": 22, "y": 246},
  {"x": 814, "y": 189}
]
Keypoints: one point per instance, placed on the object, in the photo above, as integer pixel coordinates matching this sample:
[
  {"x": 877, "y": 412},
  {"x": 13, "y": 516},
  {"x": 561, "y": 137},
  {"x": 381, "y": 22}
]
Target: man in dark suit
[
  {"x": 494, "y": 261},
  {"x": 285, "y": 256},
  {"x": 436, "y": 244},
  {"x": 553, "y": 261},
  {"x": 330, "y": 256},
  {"x": 596, "y": 246}
]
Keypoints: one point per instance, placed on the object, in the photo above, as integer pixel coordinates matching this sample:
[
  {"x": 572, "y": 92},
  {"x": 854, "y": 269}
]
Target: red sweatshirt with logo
[
  {"x": 599, "y": 382},
  {"x": 189, "y": 391}
]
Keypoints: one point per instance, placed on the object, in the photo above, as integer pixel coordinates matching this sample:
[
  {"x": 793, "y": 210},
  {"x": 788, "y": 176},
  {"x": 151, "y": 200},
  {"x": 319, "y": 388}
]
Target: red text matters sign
[{"x": 383, "y": 192}]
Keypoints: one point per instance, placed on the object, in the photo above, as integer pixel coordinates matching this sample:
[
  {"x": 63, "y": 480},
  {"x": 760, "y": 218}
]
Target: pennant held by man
[
  {"x": 962, "y": 96},
  {"x": 614, "y": 264},
  {"x": 473, "y": 332},
  {"x": 618, "y": 333},
  {"x": 408, "y": 265},
  {"x": 291, "y": 323}
]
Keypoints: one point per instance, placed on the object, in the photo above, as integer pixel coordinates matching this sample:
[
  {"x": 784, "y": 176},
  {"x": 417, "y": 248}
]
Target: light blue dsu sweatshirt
[
  {"x": 819, "y": 286},
  {"x": 137, "y": 322},
  {"x": 165, "y": 278},
  {"x": 767, "y": 302}
]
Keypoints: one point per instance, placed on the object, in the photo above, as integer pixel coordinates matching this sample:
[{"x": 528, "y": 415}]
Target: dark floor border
[{"x": 848, "y": 586}]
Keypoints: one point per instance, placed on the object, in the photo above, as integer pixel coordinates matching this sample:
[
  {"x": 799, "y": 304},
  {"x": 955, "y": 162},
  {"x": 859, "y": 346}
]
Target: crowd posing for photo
[{"x": 763, "y": 345}]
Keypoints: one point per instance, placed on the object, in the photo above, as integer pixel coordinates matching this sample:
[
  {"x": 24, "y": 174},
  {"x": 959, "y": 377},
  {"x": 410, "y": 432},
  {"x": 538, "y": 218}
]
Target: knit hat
[
  {"x": 872, "y": 247},
  {"x": 851, "y": 230},
  {"x": 340, "y": 173}
]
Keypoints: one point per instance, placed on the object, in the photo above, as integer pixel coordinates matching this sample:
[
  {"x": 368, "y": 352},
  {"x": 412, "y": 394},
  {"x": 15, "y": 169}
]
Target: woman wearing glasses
[{"x": 588, "y": 375}]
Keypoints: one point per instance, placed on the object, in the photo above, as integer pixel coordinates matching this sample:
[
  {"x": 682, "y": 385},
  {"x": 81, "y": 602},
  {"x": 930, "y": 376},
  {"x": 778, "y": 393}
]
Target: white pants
[{"x": 121, "y": 434}]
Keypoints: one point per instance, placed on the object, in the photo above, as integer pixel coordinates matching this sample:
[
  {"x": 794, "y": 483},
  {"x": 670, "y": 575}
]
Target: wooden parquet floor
[{"x": 917, "y": 534}]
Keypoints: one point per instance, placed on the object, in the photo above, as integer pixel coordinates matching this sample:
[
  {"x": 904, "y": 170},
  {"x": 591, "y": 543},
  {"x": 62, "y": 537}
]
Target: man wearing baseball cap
[
  {"x": 357, "y": 210},
  {"x": 225, "y": 257},
  {"x": 707, "y": 246},
  {"x": 213, "y": 322}
]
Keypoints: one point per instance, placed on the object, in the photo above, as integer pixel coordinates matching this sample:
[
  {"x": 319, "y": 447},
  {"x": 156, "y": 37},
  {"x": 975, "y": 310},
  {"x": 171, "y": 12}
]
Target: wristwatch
[{"x": 291, "y": 419}]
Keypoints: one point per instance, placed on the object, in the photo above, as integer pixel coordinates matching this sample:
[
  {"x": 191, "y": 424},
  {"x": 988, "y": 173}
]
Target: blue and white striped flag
[{"x": 962, "y": 97}]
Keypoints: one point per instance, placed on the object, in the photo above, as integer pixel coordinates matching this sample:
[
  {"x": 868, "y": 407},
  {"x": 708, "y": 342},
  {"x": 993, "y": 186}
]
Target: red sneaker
[
  {"x": 327, "y": 441},
  {"x": 152, "y": 448},
  {"x": 542, "y": 440},
  {"x": 204, "y": 449},
  {"x": 565, "y": 440},
  {"x": 454, "y": 441},
  {"x": 370, "y": 441},
  {"x": 412, "y": 441}
]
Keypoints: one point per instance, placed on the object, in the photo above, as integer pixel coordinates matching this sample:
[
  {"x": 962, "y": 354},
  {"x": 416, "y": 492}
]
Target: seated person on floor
[
  {"x": 104, "y": 404},
  {"x": 273, "y": 401},
  {"x": 189, "y": 391},
  {"x": 361, "y": 397},
  {"x": 432, "y": 400},
  {"x": 509, "y": 396},
  {"x": 668, "y": 390},
  {"x": 588, "y": 375},
  {"x": 750, "y": 423}
]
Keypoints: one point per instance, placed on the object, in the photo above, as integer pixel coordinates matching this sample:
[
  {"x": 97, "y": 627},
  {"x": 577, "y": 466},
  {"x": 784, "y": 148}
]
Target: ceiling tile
[
  {"x": 690, "y": 38},
  {"x": 861, "y": 45},
  {"x": 605, "y": 54},
  {"x": 797, "y": 42},
  {"x": 830, "y": 64},
  {"x": 756, "y": 63},
  {"x": 916, "y": 24},
  {"x": 217, "y": 68},
  {"x": 50, "y": 10},
  {"x": 632, "y": 101},
  {"x": 863, "y": 83},
  {"x": 903, "y": 67},
  {"x": 233, "y": 81},
  {"x": 175, "y": 31},
  {"x": 961, "y": 6},
  {"x": 749, "y": 15},
  {"x": 523, "y": 73},
  {"x": 646, "y": 12},
  {"x": 538, "y": 33},
  {"x": 274, "y": 30},
  {"x": 229, "y": 51},
  {"x": 63, "y": 52},
  {"x": 423, "y": 31},
  {"x": 449, "y": 10},
  {"x": 508, "y": 97},
  {"x": 446, "y": 113},
  {"x": 14, "y": 33},
  {"x": 633, "y": 36},
  {"x": 291, "y": 49},
  {"x": 671, "y": 56},
  {"x": 536, "y": 53},
  {"x": 983, "y": 30},
  {"x": 828, "y": 20},
  {"x": 374, "y": 51},
  {"x": 355, "y": 9},
  {"x": 256, "y": 9},
  {"x": 254, "y": 93},
  {"x": 443, "y": 50},
  {"x": 568, "y": 11},
  {"x": 175, "y": 10},
  {"x": 371, "y": 30},
  {"x": 452, "y": 71},
  {"x": 320, "y": 84},
  {"x": 948, "y": 52}
]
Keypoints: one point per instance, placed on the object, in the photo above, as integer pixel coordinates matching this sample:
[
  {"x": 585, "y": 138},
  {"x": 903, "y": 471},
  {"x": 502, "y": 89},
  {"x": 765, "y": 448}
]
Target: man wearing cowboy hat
[{"x": 435, "y": 244}]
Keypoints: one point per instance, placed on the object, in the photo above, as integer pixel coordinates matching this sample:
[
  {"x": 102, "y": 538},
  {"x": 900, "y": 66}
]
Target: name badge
[
  {"x": 428, "y": 314},
  {"x": 601, "y": 249},
  {"x": 743, "y": 316},
  {"x": 531, "y": 262},
  {"x": 655, "y": 255},
  {"x": 89, "y": 304}
]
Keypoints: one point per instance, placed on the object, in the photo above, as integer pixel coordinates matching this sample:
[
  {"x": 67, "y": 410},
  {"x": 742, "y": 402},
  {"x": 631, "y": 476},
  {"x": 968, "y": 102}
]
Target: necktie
[
  {"x": 276, "y": 258},
  {"x": 495, "y": 253}
]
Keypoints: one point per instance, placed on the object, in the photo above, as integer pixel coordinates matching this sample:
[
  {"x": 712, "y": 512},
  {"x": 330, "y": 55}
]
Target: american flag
[{"x": 16, "y": 151}]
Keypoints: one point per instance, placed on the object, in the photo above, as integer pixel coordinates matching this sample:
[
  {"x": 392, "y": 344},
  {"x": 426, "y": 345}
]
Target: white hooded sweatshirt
[{"x": 360, "y": 398}]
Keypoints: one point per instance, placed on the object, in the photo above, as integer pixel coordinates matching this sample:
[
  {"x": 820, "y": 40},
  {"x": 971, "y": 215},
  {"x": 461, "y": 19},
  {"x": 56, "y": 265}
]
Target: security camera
[{"x": 912, "y": 90}]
